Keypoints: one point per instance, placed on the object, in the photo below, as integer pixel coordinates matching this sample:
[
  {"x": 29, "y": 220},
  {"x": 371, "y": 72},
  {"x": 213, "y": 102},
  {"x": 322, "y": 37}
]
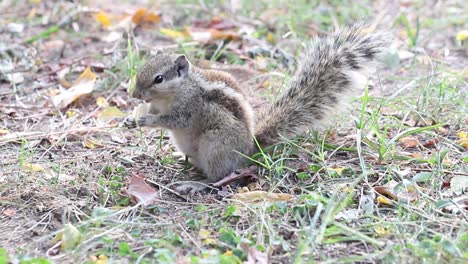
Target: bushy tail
[{"x": 330, "y": 68}]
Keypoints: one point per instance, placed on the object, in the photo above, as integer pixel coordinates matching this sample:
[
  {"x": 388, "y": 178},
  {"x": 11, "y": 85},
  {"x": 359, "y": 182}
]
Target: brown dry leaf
[
  {"x": 9, "y": 212},
  {"x": 394, "y": 192},
  {"x": 82, "y": 86},
  {"x": 206, "y": 34},
  {"x": 258, "y": 196},
  {"x": 409, "y": 142},
  {"x": 143, "y": 16},
  {"x": 218, "y": 34},
  {"x": 91, "y": 144},
  {"x": 140, "y": 192},
  {"x": 431, "y": 143},
  {"x": 385, "y": 191},
  {"x": 103, "y": 19}
]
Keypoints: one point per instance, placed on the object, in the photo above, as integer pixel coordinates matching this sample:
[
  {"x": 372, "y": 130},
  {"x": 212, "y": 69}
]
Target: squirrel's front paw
[
  {"x": 191, "y": 188},
  {"x": 130, "y": 122}
]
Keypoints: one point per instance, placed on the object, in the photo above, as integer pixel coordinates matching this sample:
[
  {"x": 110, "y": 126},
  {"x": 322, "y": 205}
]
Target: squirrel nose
[{"x": 136, "y": 94}]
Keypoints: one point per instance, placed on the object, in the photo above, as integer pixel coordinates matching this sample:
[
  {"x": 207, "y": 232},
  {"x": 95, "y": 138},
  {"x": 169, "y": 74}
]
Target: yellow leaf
[
  {"x": 103, "y": 18},
  {"x": 256, "y": 196},
  {"x": 71, "y": 236},
  {"x": 270, "y": 37},
  {"x": 3, "y": 132},
  {"x": 102, "y": 102},
  {"x": 71, "y": 113},
  {"x": 462, "y": 35},
  {"x": 338, "y": 170},
  {"x": 173, "y": 33},
  {"x": 462, "y": 135},
  {"x": 463, "y": 142},
  {"x": 102, "y": 259},
  {"x": 91, "y": 144},
  {"x": 383, "y": 200},
  {"x": 85, "y": 76},
  {"x": 228, "y": 253},
  {"x": 32, "y": 167},
  {"x": 208, "y": 241},
  {"x": 381, "y": 231},
  {"x": 203, "y": 233},
  {"x": 110, "y": 113}
]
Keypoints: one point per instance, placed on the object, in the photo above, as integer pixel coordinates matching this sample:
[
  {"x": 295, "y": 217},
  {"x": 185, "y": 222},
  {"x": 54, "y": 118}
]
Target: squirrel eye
[{"x": 158, "y": 79}]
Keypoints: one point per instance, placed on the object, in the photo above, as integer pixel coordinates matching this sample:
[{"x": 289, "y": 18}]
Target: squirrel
[{"x": 209, "y": 117}]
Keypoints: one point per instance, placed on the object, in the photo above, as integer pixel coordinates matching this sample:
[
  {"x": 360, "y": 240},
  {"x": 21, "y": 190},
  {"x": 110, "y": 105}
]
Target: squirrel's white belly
[{"x": 184, "y": 141}]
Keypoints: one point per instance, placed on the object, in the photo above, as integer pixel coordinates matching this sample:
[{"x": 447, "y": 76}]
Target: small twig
[
  {"x": 190, "y": 237},
  {"x": 169, "y": 190}
]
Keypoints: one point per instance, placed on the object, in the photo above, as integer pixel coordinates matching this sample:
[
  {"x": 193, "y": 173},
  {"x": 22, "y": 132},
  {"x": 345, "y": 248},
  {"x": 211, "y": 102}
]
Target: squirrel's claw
[{"x": 191, "y": 188}]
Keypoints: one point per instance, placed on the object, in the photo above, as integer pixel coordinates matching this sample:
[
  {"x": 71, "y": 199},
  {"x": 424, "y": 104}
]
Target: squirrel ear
[{"x": 182, "y": 65}]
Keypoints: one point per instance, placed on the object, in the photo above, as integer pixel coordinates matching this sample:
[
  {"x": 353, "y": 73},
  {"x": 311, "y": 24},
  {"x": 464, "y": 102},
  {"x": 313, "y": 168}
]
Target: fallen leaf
[
  {"x": 204, "y": 35},
  {"x": 143, "y": 16},
  {"x": 422, "y": 177},
  {"x": 110, "y": 113},
  {"x": 409, "y": 142},
  {"x": 381, "y": 230},
  {"x": 385, "y": 191},
  {"x": 103, "y": 19},
  {"x": 339, "y": 171},
  {"x": 140, "y": 192},
  {"x": 9, "y": 212},
  {"x": 174, "y": 33},
  {"x": 463, "y": 142},
  {"x": 403, "y": 192},
  {"x": 3, "y": 132},
  {"x": 462, "y": 35},
  {"x": 102, "y": 102},
  {"x": 82, "y": 86},
  {"x": 459, "y": 184},
  {"x": 462, "y": 134},
  {"x": 70, "y": 236},
  {"x": 383, "y": 200},
  {"x": 71, "y": 113},
  {"x": 258, "y": 196},
  {"x": 463, "y": 139},
  {"x": 431, "y": 143},
  {"x": 91, "y": 144},
  {"x": 32, "y": 167}
]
